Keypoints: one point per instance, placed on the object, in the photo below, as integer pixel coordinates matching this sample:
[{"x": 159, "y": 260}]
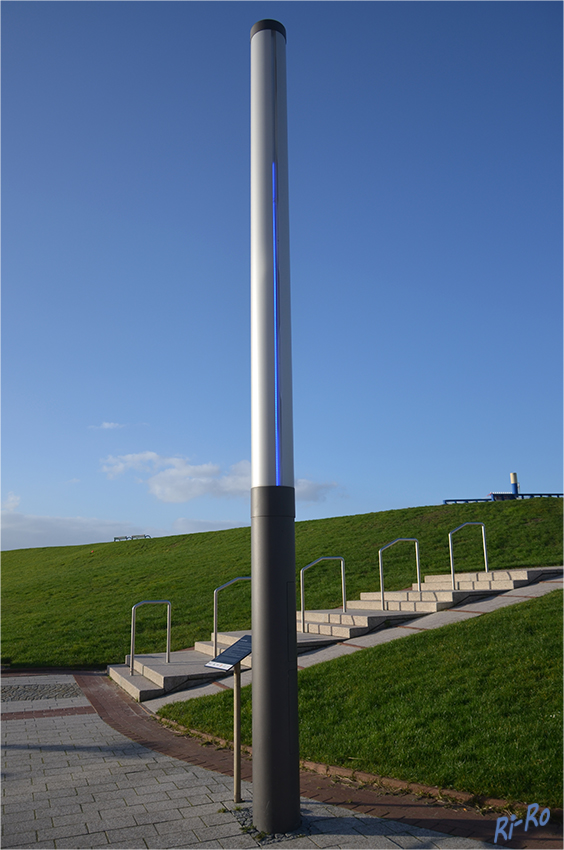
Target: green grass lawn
[
  {"x": 474, "y": 706},
  {"x": 71, "y": 606}
]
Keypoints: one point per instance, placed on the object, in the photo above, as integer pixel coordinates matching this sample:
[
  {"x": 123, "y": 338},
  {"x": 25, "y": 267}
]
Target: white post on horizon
[{"x": 276, "y": 793}]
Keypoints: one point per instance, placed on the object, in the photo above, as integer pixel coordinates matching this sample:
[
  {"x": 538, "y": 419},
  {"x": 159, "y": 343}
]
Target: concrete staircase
[
  {"x": 359, "y": 619},
  {"x": 411, "y": 601},
  {"x": 437, "y": 594},
  {"x": 494, "y": 581},
  {"x": 153, "y": 677}
]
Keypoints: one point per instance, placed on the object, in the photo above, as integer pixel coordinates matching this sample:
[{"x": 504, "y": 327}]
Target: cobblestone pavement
[
  {"x": 73, "y": 781},
  {"x": 17, "y": 693}
]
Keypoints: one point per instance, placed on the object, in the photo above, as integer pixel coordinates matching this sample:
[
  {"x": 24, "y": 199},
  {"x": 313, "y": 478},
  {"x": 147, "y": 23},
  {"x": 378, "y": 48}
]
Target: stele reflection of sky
[{"x": 276, "y": 284}]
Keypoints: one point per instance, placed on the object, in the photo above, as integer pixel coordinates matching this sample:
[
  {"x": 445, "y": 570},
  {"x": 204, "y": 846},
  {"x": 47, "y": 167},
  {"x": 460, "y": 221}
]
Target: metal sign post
[
  {"x": 237, "y": 733},
  {"x": 276, "y": 803},
  {"x": 231, "y": 659}
]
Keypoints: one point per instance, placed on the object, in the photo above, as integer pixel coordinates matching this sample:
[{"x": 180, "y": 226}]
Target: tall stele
[{"x": 276, "y": 794}]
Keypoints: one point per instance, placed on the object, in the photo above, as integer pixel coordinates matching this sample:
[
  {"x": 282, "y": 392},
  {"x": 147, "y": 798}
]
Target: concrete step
[
  {"x": 453, "y": 597},
  {"x": 407, "y": 601},
  {"x": 153, "y": 677},
  {"x": 413, "y": 606},
  {"x": 225, "y": 639},
  {"x": 356, "y": 621},
  {"x": 494, "y": 581},
  {"x": 136, "y": 686},
  {"x": 477, "y": 586}
]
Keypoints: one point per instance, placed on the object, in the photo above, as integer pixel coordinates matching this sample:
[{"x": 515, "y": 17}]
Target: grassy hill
[
  {"x": 475, "y": 706},
  {"x": 71, "y": 606}
]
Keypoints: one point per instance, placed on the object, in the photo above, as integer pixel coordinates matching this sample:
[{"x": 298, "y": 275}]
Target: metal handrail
[
  {"x": 387, "y": 546},
  {"x": 168, "y": 627},
  {"x": 450, "y": 547},
  {"x": 343, "y": 587},
  {"x": 216, "y": 591}
]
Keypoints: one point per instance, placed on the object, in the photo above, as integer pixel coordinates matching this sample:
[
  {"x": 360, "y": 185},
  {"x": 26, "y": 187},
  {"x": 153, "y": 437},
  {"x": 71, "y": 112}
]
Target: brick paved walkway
[{"x": 97, "y": 770}]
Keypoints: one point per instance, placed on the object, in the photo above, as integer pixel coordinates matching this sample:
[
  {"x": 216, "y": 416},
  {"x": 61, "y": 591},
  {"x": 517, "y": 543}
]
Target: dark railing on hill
[{"x": 504, "y": 497}]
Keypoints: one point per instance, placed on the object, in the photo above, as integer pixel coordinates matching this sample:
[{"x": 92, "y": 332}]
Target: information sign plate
[{"x": 227, "y": 659}]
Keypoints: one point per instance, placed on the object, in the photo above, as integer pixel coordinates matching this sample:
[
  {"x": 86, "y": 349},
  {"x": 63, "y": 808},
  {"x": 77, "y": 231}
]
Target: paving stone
[
  {"x": 20, "y": 825},
  {"x": 334, "y": 839},
  {"x": 64, "y": 820},
  {"x": 199, "y": 800},
  {"x": 55, "y": 833},
  {"x": 109, "y": 804},
  {"x": 422, "y": 832},
  {"x": 97, "y": 839},
  {"x": 157, "y": 817},
  {"x": 15, "y": 819},
  {"x": 127, "y": 835},
  {"x": 175, "y": 840},
  {"x": 61, "y": 783},
  {"x": 378, "y": 826},
  {"x": 162, "y": 805},
  {"x": 344, "y": 826},
  {"x": 212, "y": 833},
  {"x": 16, "y": 789},
  {"x": 219, "y": 796},
  {"x": 241, "y": 841},
  {"x": 134, "y": 810},
  {"x": 219, "y": 817},
  {"x": 200, "y": 810},
  {"x": 148, "y": 799},
  {"x": 180, "y": 794},
  {"x": 374, "y": 842},
  {"x": 453, "y": 843},
  {"x": 172, "y": 827},
  {"x": 25, "y": 841},
  {"x": 117, "y": 820},
  {"x": 37, "y": 806}
]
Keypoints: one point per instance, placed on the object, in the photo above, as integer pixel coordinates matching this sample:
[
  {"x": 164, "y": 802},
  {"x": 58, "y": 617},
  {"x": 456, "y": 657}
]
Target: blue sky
[{"x": 425, "y": 158}]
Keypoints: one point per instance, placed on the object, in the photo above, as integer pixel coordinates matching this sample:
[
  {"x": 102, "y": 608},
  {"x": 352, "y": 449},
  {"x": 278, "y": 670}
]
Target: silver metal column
[{"x": 276, "y": 792}]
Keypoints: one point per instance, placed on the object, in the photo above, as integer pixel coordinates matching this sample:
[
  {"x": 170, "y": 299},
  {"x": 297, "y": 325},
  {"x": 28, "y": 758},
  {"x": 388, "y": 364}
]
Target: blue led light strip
[{"x": 276, "y": 329}]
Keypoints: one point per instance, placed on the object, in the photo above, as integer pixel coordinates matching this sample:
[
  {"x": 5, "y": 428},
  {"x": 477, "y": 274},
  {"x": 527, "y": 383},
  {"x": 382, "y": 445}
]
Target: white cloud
[
  {"x": 11, "y": 502},
  {"x": 107, "y": 425},
  {"x": 184, "y": 525},
  {"x": 311, "y": 491},
  {"x": 182, "y": 482},
  {"x": 175, "y": 480},
  {"x": 114, "y": 466},
  {"x": 23, "y": 531}
]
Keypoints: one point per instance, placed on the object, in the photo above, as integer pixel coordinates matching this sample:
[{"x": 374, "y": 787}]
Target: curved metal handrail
[
  {"x": 450, "y": 547},
  {"x": 216, "y": 591},
  {"x": 168, "y": 627},
  {"x": 387, "y": 546},
  {"x": 343, "y": 587}
]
